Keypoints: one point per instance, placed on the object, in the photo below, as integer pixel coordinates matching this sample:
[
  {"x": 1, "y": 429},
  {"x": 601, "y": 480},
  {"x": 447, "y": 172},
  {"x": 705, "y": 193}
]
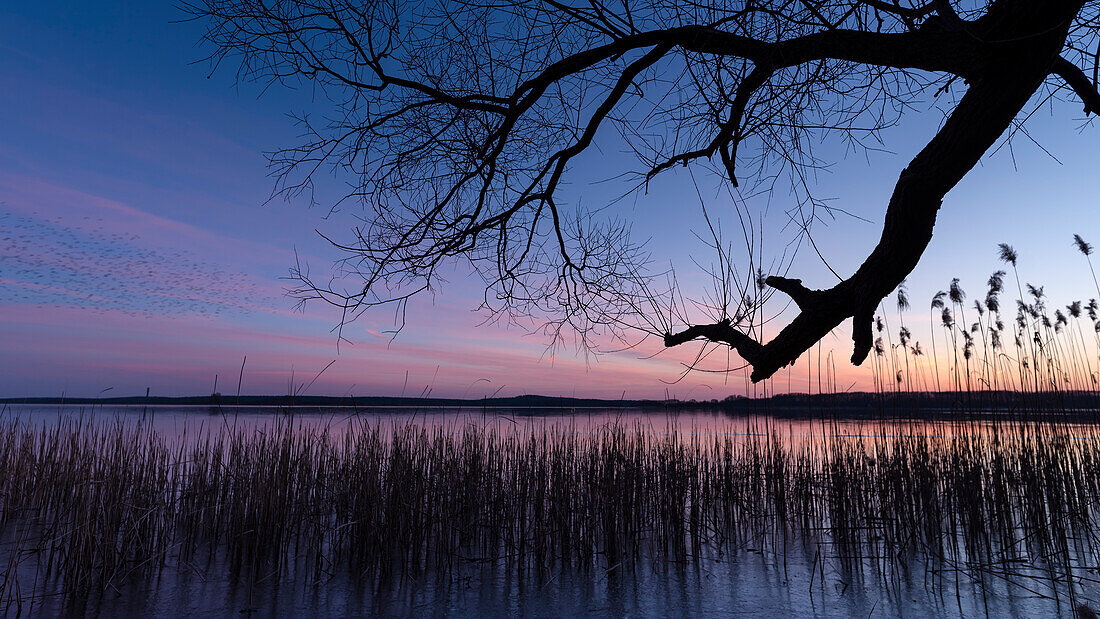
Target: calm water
[
  {"x": 753, "y": 583},
  {"x": 778, "y": 577},
  {"x": 180, "y": 423}
]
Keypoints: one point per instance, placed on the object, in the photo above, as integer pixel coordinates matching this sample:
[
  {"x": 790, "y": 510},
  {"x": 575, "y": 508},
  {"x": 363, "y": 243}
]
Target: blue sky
[{"x": 138, "y": 248}]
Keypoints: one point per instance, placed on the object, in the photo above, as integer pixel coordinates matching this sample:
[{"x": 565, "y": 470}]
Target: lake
[{"x": 542, "y": 512}]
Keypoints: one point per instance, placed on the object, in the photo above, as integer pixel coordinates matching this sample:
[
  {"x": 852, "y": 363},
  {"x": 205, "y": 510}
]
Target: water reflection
[{"x": 177, "y": 423}]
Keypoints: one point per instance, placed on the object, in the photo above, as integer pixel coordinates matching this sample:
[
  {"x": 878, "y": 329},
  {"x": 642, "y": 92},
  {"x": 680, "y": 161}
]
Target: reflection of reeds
[{"x": 90, "y": 506}]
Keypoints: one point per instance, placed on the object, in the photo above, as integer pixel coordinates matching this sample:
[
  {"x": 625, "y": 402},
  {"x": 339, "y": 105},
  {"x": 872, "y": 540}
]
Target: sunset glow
[{"x": 138, "y": 248}]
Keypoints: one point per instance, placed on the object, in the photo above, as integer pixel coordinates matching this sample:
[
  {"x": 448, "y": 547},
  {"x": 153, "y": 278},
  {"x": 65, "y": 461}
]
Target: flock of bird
[{"x": 49, "y": 260}]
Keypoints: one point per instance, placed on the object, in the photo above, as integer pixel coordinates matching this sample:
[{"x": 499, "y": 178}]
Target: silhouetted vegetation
[{"x": 86, "y": 506}]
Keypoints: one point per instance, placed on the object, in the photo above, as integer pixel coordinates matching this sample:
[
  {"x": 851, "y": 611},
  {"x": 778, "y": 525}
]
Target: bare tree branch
[
  {"x": 457, "y": 123},
  {"x": 1075, "y": 78}
]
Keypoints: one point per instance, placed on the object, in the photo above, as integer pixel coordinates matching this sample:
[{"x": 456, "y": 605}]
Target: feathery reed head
[
  {"x": 955, "y": 292},
  {"x": 937, "y": 299},
  {"x": 993, "y": 303},
  {"x": 903, "y": 297},
  {"x": 996, "y": 282},
  {"x": 1082, "y": 246}
]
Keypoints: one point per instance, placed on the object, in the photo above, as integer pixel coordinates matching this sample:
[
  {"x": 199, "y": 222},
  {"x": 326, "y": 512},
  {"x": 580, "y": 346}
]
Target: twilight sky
[{"x": 137, "y": 248}]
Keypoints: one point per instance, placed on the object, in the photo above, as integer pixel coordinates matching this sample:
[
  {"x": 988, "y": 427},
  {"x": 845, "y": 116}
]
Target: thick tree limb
[
  {"x": 749, "y": 349},
  {"x": 1076, "y": 79},
  {"x": 982, "y": 115},
  {"x": 909, "y": 12},
  {"x": 929, "y": 50}
]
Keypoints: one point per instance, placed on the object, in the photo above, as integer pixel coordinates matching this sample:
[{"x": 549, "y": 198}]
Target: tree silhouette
[{"x": 458, "y": 122}]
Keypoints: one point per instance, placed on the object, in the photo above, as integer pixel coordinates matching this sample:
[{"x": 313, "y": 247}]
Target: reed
[{"x": 89, "y": 507}]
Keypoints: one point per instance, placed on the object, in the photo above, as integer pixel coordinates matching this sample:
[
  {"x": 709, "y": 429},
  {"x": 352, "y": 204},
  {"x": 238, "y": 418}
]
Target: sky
[{"x": 138, "y": 247}]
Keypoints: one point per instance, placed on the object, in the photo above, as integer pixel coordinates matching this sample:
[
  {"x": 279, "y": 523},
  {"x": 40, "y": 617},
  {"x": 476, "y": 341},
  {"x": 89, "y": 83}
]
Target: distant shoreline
[{"x": 995, "y": 403}]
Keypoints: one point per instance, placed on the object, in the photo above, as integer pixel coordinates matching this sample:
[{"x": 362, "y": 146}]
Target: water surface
[{"x": 775, "y": 575}]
